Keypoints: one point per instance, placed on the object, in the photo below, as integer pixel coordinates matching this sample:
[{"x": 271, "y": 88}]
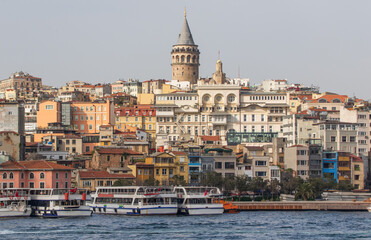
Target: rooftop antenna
[{"x": 218, "y": 54}]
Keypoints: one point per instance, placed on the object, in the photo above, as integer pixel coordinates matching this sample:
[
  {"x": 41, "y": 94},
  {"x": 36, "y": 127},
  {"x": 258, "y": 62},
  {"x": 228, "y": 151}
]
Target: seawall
[{"x": 303, "y": 206}]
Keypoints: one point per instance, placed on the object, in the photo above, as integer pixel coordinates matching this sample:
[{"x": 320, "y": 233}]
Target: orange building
[
  {"x": 49, "y": 112},
  {"x": 83, "y": 117},
  {"x": 87, "y": 117}
]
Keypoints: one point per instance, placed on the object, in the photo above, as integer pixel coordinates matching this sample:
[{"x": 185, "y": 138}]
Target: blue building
[{"x": 330, "y": 165}]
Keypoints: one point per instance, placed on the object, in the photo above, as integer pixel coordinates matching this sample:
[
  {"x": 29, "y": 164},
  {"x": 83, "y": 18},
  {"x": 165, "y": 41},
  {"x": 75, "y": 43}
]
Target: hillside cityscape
[{"x": 272, "y": 138}]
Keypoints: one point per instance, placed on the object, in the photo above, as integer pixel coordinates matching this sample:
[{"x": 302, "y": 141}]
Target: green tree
[
  {"x": 123, "y": 182},
  {"x": 242, "y": 184},
  {"x": 344, "y": 186},
  {"x": 257, "y": 185},
  {"x": 178, "y": 181},
  {"x": 288, "y": 182},
  {"x": 305, "y": 191},
  {"x": 151, "y": 182},
  {"x": 212, "y": 179},
  {"x": 229, "y": 184}
]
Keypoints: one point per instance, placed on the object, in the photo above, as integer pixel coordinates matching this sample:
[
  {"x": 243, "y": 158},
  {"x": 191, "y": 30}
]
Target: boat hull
[
  {"x": 201, "y": 209},
  {"x": 132, "y": 210},
  {"x": 24, "y": 212},
  {"x": 369, "y": 209},
  {"x": 56, "y": 212}
]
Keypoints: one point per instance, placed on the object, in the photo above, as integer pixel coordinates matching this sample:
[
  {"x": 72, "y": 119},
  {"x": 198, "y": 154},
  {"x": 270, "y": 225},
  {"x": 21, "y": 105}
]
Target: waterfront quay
[{"x": 303, "y": 206}]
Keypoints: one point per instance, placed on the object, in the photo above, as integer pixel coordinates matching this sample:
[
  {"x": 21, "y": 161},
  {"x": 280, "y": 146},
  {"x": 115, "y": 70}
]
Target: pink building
[{"x": 34, "y": 174}]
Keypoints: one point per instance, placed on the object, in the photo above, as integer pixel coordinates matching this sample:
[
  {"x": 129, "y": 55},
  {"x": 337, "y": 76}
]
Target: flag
[
  {"x": 73, "y": 190},
  {"x": 16, "y": 194},
  {"x": 205, "y": 192}
]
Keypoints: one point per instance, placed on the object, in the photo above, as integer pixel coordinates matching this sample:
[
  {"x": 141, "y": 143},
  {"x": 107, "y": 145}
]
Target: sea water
[{"x": 245, "y": 225}]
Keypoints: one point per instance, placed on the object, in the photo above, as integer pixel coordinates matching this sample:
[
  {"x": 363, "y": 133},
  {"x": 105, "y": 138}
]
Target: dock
[{"x": 303, "y": 206}]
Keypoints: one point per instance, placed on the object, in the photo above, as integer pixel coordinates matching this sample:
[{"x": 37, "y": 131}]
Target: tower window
[{"x": 182, "y": 73}]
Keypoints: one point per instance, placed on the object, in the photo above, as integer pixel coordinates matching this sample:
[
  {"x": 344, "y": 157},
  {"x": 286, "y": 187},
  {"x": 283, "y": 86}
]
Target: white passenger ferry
[
  {"x": 135, "y": 200},
  {"x": 14, "y": 203},
  {"x": 59, "y": 203},
  {"x": 198, "y": 200}
]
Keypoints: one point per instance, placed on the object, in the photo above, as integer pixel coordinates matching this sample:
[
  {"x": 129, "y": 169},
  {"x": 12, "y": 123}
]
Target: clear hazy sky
[{"x": 320, "y": 42}]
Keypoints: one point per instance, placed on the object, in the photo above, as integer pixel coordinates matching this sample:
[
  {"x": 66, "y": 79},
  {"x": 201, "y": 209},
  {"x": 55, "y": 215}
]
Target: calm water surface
[{"x": 246, "y": 225}]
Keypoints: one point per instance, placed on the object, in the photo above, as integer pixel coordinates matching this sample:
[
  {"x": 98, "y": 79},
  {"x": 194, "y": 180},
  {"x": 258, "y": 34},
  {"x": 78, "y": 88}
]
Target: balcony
[
  {"x": 344, "y": 168},
  {"x": 165, "y": 113},
  {"x": 194, "y": 164},
  {"x": 219, "y": 121}
]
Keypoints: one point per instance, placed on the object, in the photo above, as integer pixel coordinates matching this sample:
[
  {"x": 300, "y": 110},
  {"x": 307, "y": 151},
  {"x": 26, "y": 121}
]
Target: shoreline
[{"x": 303, "y": 206}]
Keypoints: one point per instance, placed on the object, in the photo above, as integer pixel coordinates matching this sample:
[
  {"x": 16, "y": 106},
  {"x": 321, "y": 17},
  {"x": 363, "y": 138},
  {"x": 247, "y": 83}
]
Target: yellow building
[
  {"x": 169, "y": 168},
  {"x": 146, "y": 98},
  {"x": 140, "y": 117}
]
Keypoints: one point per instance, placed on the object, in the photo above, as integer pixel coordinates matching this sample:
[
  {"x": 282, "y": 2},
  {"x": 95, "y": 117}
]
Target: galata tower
[{"x": 185, "y": 56}]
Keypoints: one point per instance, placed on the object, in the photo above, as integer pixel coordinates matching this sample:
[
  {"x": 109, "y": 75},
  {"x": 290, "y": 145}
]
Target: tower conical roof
[{"x": 185, "y": 36}]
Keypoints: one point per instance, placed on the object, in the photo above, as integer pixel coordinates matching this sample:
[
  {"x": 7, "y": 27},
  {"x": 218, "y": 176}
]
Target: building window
[
  {"x": 90, "y": 127},
  {"x": 164, "y": 171},
  {"x": 66, "y": 185},
  {"x": 157, "y": 171},
  {"x": 56, "y": 175},
  {"x": 42, "y": 175},
  {"x": 32, "y": 176},
  {"x": 22, "y": 175},
  {"x": 86, "y": 183},
  {"x": 31, "y": 185},
  {"x": 260, "y": 174},
  {"x": 333, "y": 139},
  {"x": 66, "y": 175},
  {"x": 56, "y": 184},
  {"x": 49, "y": 107},
  {"x": 343, "y": 138},
  {"x": 42, "y": 185},
  {"x": 253, "y": 118}
]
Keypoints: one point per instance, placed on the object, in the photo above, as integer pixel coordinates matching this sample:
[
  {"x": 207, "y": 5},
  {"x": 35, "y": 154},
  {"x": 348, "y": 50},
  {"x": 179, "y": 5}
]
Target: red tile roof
[
  {"x": 297, "y": 145},
  {"x": 355, "y": 158},
  {"x": 104, "y": 174},
  {"x": 178, "y": 153},
  {"x": 32, "y": 144},
  {"x": 210, "y": 138},
  {"x": 254, "y": 148},
  {"x": 330, "y": 98},
  {"x": 33, "y": 165},
  {"x": 117, "y": 151},
  {"x": 6, "y": 132}
]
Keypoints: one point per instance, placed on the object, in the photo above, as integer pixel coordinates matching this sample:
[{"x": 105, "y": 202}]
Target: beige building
[
  {"x": 26, "y": 85},
  {"x": 297, "y": 158},
  {"x": 12, "y": 145},
  {"x": 339, "y": 136},
  {"x": 358, "y": 172}
]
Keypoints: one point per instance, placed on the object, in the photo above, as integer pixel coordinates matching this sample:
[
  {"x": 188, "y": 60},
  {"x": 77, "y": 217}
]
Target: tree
[
  {"x": 178, "y": 181},
  {"x": 318, "y": 185},
  {"x": 288, "y": 182},
  {"x": 229, "y": 184},
  {"x": 123, "y": 182},
  {"x": 344, "y": 186},
  {"x": 305, "y": 191},
  {"x": 242, "y": 183},
  {"x": 151, "y": 182},
  {"x": 274, "y": 187},
  {"x": 212, "y": 179},
  {"x": 258, "y": 185}
]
